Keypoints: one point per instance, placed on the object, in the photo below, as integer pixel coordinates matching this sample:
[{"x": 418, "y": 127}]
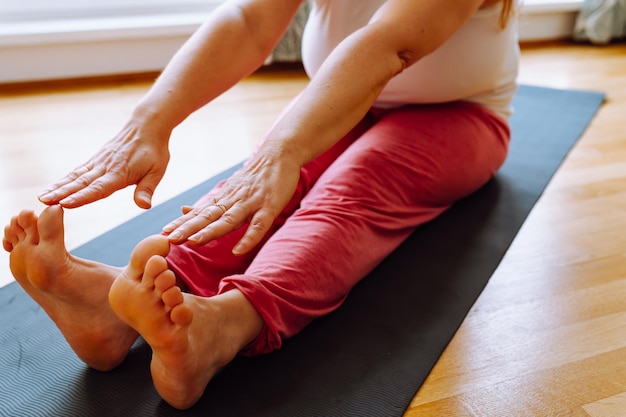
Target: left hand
[{"x": 256, "y": 194}]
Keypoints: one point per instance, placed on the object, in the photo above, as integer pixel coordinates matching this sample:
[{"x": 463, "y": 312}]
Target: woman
[{"x": 406, "y": 113}]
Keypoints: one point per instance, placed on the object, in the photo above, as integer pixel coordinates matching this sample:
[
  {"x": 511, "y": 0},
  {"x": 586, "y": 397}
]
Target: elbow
[
  {"x": 398, "y": 51},
  {"x": 406, "y": 58},
  {"x": 263, "y": 25}
]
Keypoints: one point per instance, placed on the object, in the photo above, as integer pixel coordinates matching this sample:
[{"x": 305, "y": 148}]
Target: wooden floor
[{"x": 548, "y": 335}]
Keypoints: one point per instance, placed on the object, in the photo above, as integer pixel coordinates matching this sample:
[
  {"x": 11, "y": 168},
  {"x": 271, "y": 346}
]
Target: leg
[
  {"x": 191, "y": 336},
  {"x": 72, "y": 291},
  {"x": 407, "y": 169},
  {"x": 201, "y": 268}
]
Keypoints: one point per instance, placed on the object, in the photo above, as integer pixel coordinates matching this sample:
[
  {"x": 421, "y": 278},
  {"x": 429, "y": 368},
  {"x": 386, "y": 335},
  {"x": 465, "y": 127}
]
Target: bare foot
[
  {"x": 72, "y": 291},
  {"x": 191, "y": 337}
]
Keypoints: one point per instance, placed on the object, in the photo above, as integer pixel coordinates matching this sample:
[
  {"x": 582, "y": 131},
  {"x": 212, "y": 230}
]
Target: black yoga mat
[{"x": 366, "y": 359}]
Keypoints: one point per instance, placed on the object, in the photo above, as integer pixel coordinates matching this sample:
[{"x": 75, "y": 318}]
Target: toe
[
  {"x": 50, "y": 224},
  {"x": 27, "y": 221},
  {"x": 155, "y": 266},
  {"x": 17, "y": 233},
  {"x": 164, "y": 281},
  {"x": 11, "y": 236},
  {"x": 152, "y": 245},
  {"x": 172, "y": 297},
  {"x": 7, "y": 244},
  {"x": 181, "y": 314}
]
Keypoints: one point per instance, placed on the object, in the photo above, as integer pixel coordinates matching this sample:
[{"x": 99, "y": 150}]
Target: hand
[
  {"x": 137, "y": 155},
  {"x": 256, "y": 194}
]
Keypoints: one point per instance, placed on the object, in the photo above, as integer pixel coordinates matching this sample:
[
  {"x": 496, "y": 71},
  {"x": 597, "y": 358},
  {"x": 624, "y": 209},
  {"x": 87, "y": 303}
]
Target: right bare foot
[
  {"x": 191, "y": 337},
  {"x": 72, "y": 291}
]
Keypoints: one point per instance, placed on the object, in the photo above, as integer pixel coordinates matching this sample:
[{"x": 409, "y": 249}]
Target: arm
[
  {"x": 234, "y": 42},
  {"x": 400, "y": 33}
]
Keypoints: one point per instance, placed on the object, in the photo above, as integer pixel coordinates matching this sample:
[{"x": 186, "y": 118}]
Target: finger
[
  {"x": 259, "y": 225},
  {"x": 222, "y": 226},
  {"x": 80, "y": 182},
  {"x": 75, "y": 173},
  {"x": 145, "y": 189},
  {"x": 176, "y": 223},
  {"x": 56, "y": 191},
  {"x": 101, "y": 187},
  {"x": 230, "y": 220},
  {"x": 188, "y": 213},
  {"x": 194, "y": 222}
]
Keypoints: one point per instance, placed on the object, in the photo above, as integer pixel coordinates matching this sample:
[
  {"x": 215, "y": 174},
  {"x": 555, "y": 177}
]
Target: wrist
[
  {"x": 140, "y": 132},
  {"x": 285, "y": 150},
  {"x": 159, "y": 111},
  {"x": 148, "y": 115}
]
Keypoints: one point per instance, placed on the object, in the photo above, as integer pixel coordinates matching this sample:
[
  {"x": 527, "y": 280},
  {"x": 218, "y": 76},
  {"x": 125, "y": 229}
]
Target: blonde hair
[{"x": 508, "y": 7}]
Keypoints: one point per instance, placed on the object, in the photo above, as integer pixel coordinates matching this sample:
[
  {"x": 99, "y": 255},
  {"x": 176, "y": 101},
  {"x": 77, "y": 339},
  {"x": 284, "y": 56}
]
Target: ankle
[{"x": 239, "y": 318}]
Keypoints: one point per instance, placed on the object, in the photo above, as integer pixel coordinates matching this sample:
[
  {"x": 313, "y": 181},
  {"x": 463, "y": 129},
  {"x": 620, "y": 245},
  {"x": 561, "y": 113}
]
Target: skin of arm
[
  {"x": 233, "y": 43},
  {"x": 341, "y": 93},
  {"x": 399, "y": 34}
]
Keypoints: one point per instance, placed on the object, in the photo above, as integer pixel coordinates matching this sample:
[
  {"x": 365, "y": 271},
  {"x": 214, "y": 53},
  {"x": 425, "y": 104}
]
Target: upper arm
[
  {"x": 414, "y": 28},
  {"x": 267, "y": 20}
]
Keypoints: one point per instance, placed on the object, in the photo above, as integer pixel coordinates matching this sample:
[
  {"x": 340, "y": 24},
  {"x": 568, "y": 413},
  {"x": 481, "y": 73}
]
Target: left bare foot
[
  {"x": 191, "y": 337},
  {"x": 72, "y": 291}
]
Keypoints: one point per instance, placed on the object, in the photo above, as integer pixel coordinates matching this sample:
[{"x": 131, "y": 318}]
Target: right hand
[
  {"x": 138, "y": 155},
  {"x": 256, "y": 194}
]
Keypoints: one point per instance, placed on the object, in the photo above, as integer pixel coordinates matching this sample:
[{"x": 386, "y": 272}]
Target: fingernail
[
  {"x": 238, "y": 249},
  {"x": 194, "y": 238},
  {"x": 168, "y": 228},
  {"x": 176, "y": 235}
]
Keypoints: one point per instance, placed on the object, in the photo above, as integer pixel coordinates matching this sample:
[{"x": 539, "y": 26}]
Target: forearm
[
  {"x": 224, "y": 50},
  {"x": 349, "y": 82},
  {"x": 337, "y": 98}
]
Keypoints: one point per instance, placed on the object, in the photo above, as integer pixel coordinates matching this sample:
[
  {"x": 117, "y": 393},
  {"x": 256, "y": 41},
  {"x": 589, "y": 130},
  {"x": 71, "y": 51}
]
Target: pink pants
[{"x": 397, "y": 169}]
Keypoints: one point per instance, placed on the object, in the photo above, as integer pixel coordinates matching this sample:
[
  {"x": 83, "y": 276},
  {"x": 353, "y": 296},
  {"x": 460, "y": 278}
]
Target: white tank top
[{"x": 478, "y": 63}]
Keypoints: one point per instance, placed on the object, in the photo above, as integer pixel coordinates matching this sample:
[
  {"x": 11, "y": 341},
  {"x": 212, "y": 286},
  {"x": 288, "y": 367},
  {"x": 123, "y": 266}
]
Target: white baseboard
[
  {"x": 542, "y": 20},
  {"x": 91, "y": 47},
  {"x": 99, "y": 47}
]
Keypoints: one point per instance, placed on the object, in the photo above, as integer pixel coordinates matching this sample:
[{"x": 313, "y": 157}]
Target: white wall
[
  {"x": 548, "y": 19},
  {"x": 44, "y": 40},
  {"x": 28, "y": 10}
]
